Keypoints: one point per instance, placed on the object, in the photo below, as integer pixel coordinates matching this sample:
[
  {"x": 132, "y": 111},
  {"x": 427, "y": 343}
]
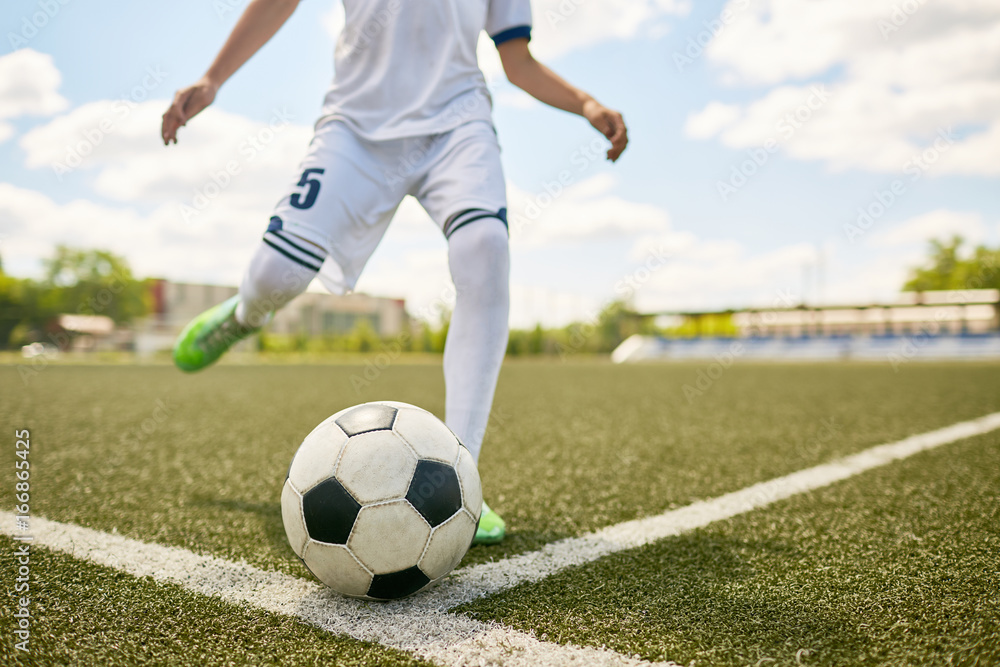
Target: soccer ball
[{"x": 381, "y": 500}]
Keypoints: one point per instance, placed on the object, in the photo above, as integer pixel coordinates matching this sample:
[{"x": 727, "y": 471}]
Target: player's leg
[
  {"x": 477, "y": 334},
  {"x": 273, "y": 279},
  {"x": 477, "y": 339},
  {"x": 465, "y": 193},
  {"x": 330, "y": 222},
  {"x": 281, "y": 269}
]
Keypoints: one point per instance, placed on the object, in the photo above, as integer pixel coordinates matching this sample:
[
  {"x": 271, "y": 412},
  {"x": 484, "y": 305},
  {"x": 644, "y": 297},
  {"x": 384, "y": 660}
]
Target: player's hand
[
  {"x": 609, "y": 123},
  {"x": 188, "y": 102}
]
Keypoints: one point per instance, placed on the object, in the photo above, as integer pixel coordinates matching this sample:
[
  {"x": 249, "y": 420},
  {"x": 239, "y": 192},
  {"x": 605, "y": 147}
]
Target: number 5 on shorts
[{"x": 297, "y": 200}]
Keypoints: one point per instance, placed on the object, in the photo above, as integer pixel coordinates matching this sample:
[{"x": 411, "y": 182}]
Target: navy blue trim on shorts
[
  {"x": 512, "y": 33},
  {"x": 297, "y": 260},
  {"x": 295, "y": 245}
]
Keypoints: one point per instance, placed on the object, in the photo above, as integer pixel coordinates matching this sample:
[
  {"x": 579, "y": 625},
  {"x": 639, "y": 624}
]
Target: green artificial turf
[
  {"x": 898, "y": 566},
  {"x": 86, "y": 614},
  {"x": 197, "y": 460}
]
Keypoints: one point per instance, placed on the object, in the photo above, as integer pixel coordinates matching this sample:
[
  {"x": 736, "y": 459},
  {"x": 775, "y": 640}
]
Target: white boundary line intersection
[{"x": 422, "y": 624}]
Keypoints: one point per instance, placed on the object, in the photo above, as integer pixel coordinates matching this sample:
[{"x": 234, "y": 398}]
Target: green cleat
[
  {"x": 209, "y": 335},
  {"x": 491, "y": 528}
]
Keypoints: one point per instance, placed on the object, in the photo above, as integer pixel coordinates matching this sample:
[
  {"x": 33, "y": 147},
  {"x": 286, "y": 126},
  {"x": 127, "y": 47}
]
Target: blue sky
[{"x": 706, "y": 88}]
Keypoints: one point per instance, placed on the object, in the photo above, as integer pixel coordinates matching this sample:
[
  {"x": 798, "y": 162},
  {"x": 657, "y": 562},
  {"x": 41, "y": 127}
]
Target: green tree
[
  {"x": 617, "y": 322},
  {"x": 946, "y": 269},
  {"x": 11, "y": 306},
  {"x": 93, "y": 282}
]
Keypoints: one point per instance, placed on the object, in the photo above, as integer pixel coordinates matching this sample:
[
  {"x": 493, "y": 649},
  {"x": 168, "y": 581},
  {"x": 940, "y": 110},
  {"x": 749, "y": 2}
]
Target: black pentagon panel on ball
[
  {"x": 435, "y": 491},
  {"x": 329, "y": 511},
  {"x": 397, "y": 585},
  {"x": 365, "y": 418}
]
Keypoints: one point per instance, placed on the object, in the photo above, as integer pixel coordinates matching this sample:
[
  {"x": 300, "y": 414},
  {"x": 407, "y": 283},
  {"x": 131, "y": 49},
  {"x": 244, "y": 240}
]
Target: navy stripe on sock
[
  {"x": 460, "y": 219},
  {"x": 466, "y": 221},
  {"x": 290, "y": 256},
  {"x": 287, "y": 240},
  {"x": 457, "y": 218}
]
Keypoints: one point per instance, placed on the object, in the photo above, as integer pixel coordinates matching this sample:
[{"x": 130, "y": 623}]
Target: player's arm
[
  {"x": 546, "y": 86},
  {"x": 260, "y": 20}
]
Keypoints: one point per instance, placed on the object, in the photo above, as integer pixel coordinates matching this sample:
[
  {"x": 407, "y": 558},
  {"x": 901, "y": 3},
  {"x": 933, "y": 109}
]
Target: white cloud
[
  {"x": 933, "y": 225},
  {"x": 891, "y": 91},
  {"x": 704, "y": 274},
  {"x": 420, "y": 276},
  {"x": 563, "y": 26},
  {"x": 875, "y": 281},
  {"x": 157, "y": 244},
  {"x": 584, "y": 211},
  {"x": 120, "y": 142},
  {"x": 711, "y": 120},
  {"x": 29, "y": 86},
  {"x": 978, "y": 155}
]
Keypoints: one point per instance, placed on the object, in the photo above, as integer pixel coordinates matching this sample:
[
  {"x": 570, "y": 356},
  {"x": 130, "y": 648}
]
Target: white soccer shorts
[{"x": 348, "y": 189}]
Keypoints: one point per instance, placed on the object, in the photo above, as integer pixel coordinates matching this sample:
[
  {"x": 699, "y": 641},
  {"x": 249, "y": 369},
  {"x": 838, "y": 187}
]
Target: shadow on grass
[
  {"x": 269, "y": 514},
  {"x": 273, "y": 530},
  {"x": 516, "y": 542}
]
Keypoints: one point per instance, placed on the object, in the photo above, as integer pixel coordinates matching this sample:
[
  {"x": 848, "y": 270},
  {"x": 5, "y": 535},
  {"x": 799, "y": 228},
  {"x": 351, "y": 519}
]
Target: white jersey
[{"x": 407, "y": 68}]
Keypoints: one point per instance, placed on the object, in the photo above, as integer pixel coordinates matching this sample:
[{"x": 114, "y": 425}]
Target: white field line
[
  {"x": 422, "y": 624},
  {"x": 489, "y": 578},
  {"x": 446, "y": 639}
]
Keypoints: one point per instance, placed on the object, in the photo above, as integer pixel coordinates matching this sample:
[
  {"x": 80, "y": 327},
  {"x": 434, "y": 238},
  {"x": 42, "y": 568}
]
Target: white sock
[
  {"x": 477, "y": 337},
  {"x": 271, "y": 281}
]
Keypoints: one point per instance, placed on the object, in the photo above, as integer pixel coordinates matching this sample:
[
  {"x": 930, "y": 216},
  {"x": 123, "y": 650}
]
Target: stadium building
[
  {"x": 917, "y": 325},
  {"x": 311, "y": 314}
]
